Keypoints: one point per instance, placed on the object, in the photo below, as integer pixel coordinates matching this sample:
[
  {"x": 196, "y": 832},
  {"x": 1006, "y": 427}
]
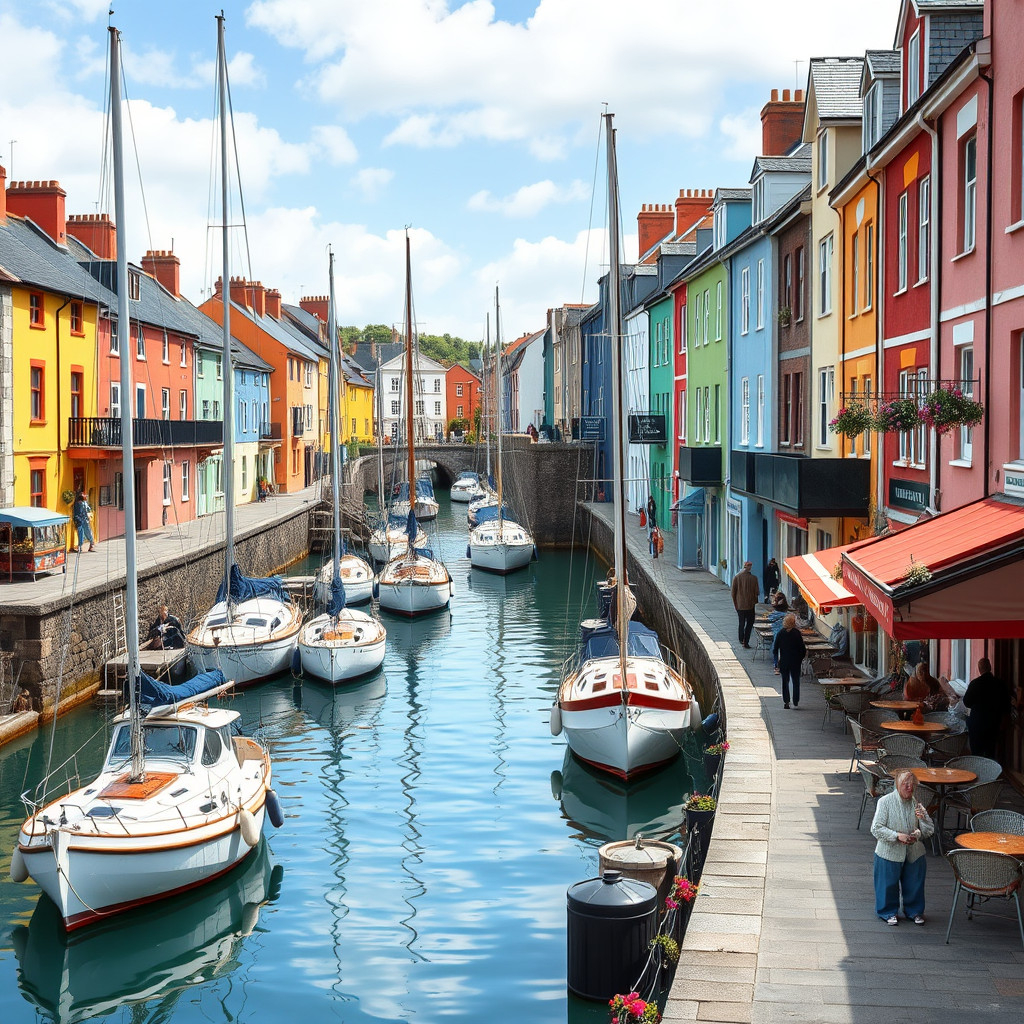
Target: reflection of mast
[{"x": 410, "y": 761}]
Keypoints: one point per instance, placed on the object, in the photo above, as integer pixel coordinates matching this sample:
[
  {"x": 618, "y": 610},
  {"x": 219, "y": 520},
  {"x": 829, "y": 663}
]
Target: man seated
[
  {"x": 166, "y": 633},
  {"x": 839, "y": 638}
]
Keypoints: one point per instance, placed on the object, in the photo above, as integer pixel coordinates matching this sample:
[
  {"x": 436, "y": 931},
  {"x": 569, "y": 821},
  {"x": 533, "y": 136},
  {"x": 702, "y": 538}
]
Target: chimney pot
[
  {"x": 775, "y": 95},
  {"x": 785, "y": 95}
]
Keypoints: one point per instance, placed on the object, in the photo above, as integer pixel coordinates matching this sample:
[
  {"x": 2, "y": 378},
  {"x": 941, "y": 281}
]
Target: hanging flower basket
[
  {"x": 631, "y": 1009},
  {"x": 949, "y": 407},
  {"x": 897, "y": 416},
  {"x": 852, "y": 420},
  {"x": 916, "y": 573}
]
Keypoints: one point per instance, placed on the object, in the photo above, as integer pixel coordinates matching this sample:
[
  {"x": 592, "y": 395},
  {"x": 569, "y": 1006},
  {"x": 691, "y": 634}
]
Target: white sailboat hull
[
  {"x": 356, "y": 578},
  {"x": 343, "y": 649},
  {"x": 466, "y": 492},
  {"x": 426, "y": 509},
  {"x": 384, "y": 547},
  {"x": 414, "y": 586},
  {"x": 501, "y": 551}
]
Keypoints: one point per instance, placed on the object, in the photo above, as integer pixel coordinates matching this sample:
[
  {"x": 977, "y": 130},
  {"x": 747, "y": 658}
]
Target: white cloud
[
  {"x": 155, "y": 66},
  {"x": 371, "y": 181},
  {"x": 335, "y": 142},
  {"x": 743, "y": 132},
  {"x": 529, "y": 200}
]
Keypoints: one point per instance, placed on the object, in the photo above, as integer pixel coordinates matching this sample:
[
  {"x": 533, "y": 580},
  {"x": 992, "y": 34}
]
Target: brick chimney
[
  {"x": 692, "y": 205},
  {"x": 43, "y": 202},
  {"x": 250, "y": 294},
  {"x": 165, "y": 267},
  {"x": 654, "y": 222},
  {"x": 274, "y": 303},
  {"x": 782, "y": 122},
  {"x": 3, "y": 192},
  {"x": 96, "y": 231},
  {"x": 317, "y": 305}
]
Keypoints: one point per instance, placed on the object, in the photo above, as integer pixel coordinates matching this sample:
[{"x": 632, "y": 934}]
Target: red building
[{"x": 464, "y": 394}]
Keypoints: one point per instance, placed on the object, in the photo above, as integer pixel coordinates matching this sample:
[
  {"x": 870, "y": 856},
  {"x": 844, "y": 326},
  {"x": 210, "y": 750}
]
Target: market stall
[{"x": 32, "y": 540}]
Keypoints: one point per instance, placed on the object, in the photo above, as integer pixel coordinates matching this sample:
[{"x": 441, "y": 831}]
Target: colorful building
[{"x": 463, "y": 394}]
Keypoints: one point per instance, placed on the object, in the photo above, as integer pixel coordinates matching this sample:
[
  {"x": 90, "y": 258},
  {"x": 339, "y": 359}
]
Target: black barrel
[{"x": 611, "y": 922}]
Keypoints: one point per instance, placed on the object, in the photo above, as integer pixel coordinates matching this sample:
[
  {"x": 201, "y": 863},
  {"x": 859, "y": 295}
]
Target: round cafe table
[
  {"x": 902, "y": 707},
  {"x": 939, "y": 779},
  {"x": 896, "y": 725},
  {"x": 993, "y": 842}
]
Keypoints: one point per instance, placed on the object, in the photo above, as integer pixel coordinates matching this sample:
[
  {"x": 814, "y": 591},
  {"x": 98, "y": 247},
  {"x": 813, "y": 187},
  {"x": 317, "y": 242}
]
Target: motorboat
[{"x": 466, "y": 488}]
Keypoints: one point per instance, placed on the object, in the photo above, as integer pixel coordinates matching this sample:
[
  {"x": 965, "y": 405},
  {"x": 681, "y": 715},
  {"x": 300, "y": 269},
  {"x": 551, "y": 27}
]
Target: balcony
[
  {"x": 701, "y": 467},
  {"x": 808, "y": 488},
  {"x": 270, "y": 431},
  {"x": 105, "y": 432}
]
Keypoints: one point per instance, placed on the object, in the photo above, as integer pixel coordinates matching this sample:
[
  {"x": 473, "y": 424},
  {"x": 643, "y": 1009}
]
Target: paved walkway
[{"x": 784, "y": 928}]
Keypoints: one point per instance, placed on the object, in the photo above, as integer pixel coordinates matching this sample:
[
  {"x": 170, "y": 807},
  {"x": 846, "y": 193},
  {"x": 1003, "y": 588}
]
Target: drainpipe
[{"x": 986, "y": 458}]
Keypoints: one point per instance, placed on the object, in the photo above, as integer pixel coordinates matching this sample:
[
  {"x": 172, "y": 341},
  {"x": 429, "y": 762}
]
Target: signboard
[
  {"x": 647, "y": 428},
  {"x": 732, "y": 507},
  {"x": 591, "y": 428},
  {"x": 908, "y": 495},
  {"x": 1013, "y": 480}
]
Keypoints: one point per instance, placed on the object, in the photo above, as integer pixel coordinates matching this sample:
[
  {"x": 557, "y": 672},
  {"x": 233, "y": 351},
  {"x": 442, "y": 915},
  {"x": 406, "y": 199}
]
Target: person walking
[
  {"x": 772, "y": 578},
  {"x": 899, "y": 825},
  {"x": 652, "y": 513},
  {"x": 80, "y": 513},
  {"x": 745, "y": 591},
  {"x": 988, "y": 699},
  {"x": 789, "y": 651}
]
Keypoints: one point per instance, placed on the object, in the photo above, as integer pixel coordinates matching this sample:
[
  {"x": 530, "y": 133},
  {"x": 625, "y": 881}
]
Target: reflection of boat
[
  {"x": 142, "y": 956},
  {"x": 337, "y": 708},
  {"x": 466, "y": 487},
  {"x": 609, "y": 808}
]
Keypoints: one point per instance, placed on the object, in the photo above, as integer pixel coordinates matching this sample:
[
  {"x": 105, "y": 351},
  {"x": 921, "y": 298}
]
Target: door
[{"x": 138, "y": 499}]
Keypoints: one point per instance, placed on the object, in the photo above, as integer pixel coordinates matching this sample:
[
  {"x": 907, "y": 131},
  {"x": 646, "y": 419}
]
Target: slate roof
[
  {"x": 278, "y": 330},
  {"x": 727, "y": 194},
  {"x": 386, "y": 351},
  {"x": 945, "y": 5},
  {"x": 883, "y": 62},
  {"x": 353, "y": 373},
  {"x": 796, "y": 164},
  {"x": 309, "y": 323},
  {"x": 836, "y": 82},
  {"x": 210, "y": 337}
]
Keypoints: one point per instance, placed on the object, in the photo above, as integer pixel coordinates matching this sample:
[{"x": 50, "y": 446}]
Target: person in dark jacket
[
  {"x": 744, "y": 599},
  {"x": 166, "y": 633},
  {"x": 772, "y": 578},
  {"x": 988, "y": 699},
  {"x": 790, "y": 651}
]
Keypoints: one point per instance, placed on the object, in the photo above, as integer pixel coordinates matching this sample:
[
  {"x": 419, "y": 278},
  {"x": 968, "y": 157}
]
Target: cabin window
[
  {"x": 213, "y": 747},
  {"x": 158, "y": 740}
]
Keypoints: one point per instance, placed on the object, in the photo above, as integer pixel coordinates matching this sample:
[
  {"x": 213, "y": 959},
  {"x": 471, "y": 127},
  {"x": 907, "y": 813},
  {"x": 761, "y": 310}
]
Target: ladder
[{"x": 120, "y": 626}]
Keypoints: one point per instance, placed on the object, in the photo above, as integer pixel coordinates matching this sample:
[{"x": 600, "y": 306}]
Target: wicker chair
[
  {"x": 901, "y": 743},
  {"x": 970, "y": 800},
  {"x": 946, "y": 747},
  {"x": 999, "y": 819},
  {"x": 954, "y": 724},
  {"x": 985, "y": 768},
  {"x": 854, "y": 702},
  {"x": 894, "y": 762},
  {"x": 831, "y": 704},
  {"x": 865, "y": 744},
  {"x": 873, "y": 718},
  {"x": 985, "y": 876},
  {"x": 876, "y": 784}
]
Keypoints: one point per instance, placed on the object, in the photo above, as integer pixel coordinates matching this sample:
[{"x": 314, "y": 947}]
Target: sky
[{"x": 475, "y": 125}]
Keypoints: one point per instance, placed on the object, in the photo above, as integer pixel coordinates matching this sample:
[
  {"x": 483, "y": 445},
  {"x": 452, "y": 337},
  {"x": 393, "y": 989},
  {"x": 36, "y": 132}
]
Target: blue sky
[{"x": 476, "y": 124}]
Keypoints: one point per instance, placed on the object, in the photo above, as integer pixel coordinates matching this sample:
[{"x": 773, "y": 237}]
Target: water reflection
[
  {"x": 143, "y": 958},
  {"x": 340, "y": 708}
]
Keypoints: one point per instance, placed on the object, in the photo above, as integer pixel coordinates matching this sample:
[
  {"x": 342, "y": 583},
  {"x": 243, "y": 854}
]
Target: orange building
[{"x": 464, "y": 393}]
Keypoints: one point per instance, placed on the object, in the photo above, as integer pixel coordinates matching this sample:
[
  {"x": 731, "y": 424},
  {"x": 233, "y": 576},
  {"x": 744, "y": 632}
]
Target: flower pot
[
  {"x": 857, "y": 623},
  {"x": 712, "y": 762},
  {"x": 699, "y": 822}
]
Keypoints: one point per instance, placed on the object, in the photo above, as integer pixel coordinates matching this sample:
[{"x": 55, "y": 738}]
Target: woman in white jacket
[{"x": 899, "y": 825}]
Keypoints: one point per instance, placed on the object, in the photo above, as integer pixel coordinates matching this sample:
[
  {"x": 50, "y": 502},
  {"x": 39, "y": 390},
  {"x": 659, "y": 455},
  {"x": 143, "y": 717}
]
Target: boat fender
[
  {"x": 555, "y": 721},
  {"x": 556, "y": 784},
  {"x": 376, "y": 589},
  {"x": 250, "y": 918},
  {"x": 275, "y": 812},
  {"x": 694, "y": 712},
  {"x": 536, "y": 557},
  {"x": 296, "y": 663},
  {"x": 248, "y": 827},
  {"x": 469, "y": 554},
  {"x": 710, "y": 723},
  {"x": 19, "y": 869}
]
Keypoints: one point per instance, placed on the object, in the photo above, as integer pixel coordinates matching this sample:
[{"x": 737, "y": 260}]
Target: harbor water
[{"x": 432, "y": 828}]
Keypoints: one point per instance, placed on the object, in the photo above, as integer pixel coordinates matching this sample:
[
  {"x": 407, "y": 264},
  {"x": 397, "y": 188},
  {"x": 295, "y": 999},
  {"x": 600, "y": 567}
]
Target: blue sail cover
[
  {"x": 337, "y": 601},
  {"x": 412, "y": 528},
  {"x": 244, "y": 588},
  {"x": 151, "y": 693},
  {"x": 603, "y": 643},
  {"x": 424, "y": 489},
  {"x": 489, "y": 513}
]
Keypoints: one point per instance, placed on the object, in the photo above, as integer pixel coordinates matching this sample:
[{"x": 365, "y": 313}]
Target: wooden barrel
[{"x": 647, "y": 860}]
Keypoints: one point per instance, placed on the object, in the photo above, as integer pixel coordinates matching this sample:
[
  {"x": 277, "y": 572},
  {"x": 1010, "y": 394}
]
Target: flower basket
[
  {"x": 631, "y": 1009},
  {"x": 949, "y": 407},
  {"x": 852, "y": 420},
  {"x": 699, "y": 820},
  {"x": 712, "y": 762},
  {"x": 897, "y": 416}
]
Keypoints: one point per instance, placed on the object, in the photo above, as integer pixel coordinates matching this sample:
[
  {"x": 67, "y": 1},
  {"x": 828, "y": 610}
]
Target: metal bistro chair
[
  {"x": 901, "y": 743},
  {"x": 984, "y": 876},
  {"x": 831, "y": 704},
  {"x": 944, "y": 748},
  {"x": 873, "y": 718},
  {"x": 971, "y": 800},
  {"x": 876, "y": 784},
  {"x": 865, "y": 744},
  {"x": 762, "y": 643},
  {"x": 999, "y": 819}
]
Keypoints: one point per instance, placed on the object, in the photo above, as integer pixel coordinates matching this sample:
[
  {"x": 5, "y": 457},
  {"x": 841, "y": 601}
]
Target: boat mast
[
  {"x": 227, "y": 371},
  {"x": 131, "y": 597},
  {"x": 497, "y": 388},
  {"x": 332, "y": 418},
  {"x": 382, "y": 509},
  {"x": 486, "y": 419},
  {"x": 618, "y": 456},
  {"x": 408, "y": 379}
]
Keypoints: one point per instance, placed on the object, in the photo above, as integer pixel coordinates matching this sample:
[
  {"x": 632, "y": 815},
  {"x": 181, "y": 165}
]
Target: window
[
  {"x": 682, "y": 330},
  {"x": 421, "y": 407},
  {"x": 698, "y": 425},
  {"x": 718, "y": 414},
  {"x": 745, "y": 411},
  {"x": 798, "y": 295},
  {"x": 787, "y": 284},
  {"x": 255, "y": 417},
  {"x": 969, "y": 165},
  {"x": 199, "y": 364},
  {"x": 134, "y": 285},
  {"x": 77, "y": 378},
  {"x": 786, "y": 432},
  {"x": 869, "y": 266},
  {"x": 206, "y": 408},
  {"x": 165, "y": 403},
  {"x": 37, "y": 395},
  {"x": 437, "y": 385},
  {"x": 866, "y": 436},
  {"x": 182, "y": 405},
  {"x": 924, "y": 217},
  {"x": 718, "y": 320},
  {"x": 657, "y": 344},
  {"x": 396, "y": 408},
  {"x": 77, "y": 327},
  {"x": 682, "y": 415},
  {"x": 826, "y": 393},
  {"x": 309, "y": 417},
  {"x": 37, "y": 488},
  {"x": 1017, "y": 160},
  {"x": 458, "y": 390},
  {"x": 914, "y": 68},
  {"x": 744, "y": 300},
  {"x": 115, "y": 341},
  {"x": 697, "y": 317},
  {"x": 459, "y": 412},
  {"x": 36, "y": 310},
  {"x": 309, "y": 375},
  {"x": 395, "y": 384},
  {"x": 243, "y": 416},
  {"x": 760, "y": 410},
  {"x": 184, "y": 355},
  {"x": 168, "y": 496},
  {"x": 822, "y": 160},
  {"x": 869, "y": 127},
  {"x": 707, "y": 317},
  {"x": 437, "y": 408},
  {"x": 115, "y": 400},
  {"x": 854, "y": 273},
  {"x": 220, "y": 367},
  {"x": 166, "y": 350},
  {"x": 216, "y": 409},
  {"x": 967, "y": 387},
  {"x": 140, "y": 342},
  {"x": 825, "y": 275},
  {"x": 911, "y": 445},
  {"x": 901, "y": 251},
  {"x": 245, "y": 473},
  {"x": 798, "y": 410},
  {"x": 185, "y": 472},
  {"x": 760, "y": 294},
  {"x": 140, "y": 401}
]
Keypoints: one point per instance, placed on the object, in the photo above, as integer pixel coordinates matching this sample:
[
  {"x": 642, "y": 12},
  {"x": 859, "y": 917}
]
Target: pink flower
[{"x": 670, "y": 903}]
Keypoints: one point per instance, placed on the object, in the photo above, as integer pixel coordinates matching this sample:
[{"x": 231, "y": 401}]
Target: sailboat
[
  {"x": 623, "y": 708},
  {"x": 179, "y": 800},
  {"x": 251, "y": 630},
  {"x": 415, "y": 582},
  {"x": 466, "y": 487},
  {"x": 496, "y": 543},
  {"x": 343, "y": 643}
]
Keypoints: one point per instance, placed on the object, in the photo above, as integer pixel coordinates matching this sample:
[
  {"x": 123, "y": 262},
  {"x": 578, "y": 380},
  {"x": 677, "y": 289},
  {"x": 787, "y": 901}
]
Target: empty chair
[
  {"x": 873, "y": 718},
  {"x": 831, "y": 704},
  {"x": 954, "y": 723},
  {"x": 987, "y": 876},
  {"x": 876, "y": 784},
  {"x": 900, "y": 743},
  {"x": 970, "y": 800},
  {"x": 985, "y": 768},
  {"x": 854, "y": 702},
  {"x": 999, "y": 819},
  {"x": 865, "y": 744},
  {"x": 945, "y": 747},
  {"x": 894, "y": 762}
]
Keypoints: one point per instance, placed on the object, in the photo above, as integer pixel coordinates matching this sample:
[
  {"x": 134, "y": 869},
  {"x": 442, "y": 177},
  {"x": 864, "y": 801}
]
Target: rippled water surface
[{"x": 432, "y": 828}]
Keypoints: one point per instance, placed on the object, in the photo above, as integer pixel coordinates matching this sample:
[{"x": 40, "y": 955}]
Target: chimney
[
  {"x": 3, "y": 192},
  {"x": 692, "y": 205},
  {"x": 96, "y": 231},
  {"x": 782, "y": 122},
  {"x": 317, "y": 305},
  {"x": 250, "y": 294},
  {"x": 240, "y": 295},
  {"x": 274, "y": 303},
  {"x": 43, "y": 202},
  {"x": 165, "y": 267},
  {"x": 654, "y": 222},
  {"x": 259, "y": 297}
]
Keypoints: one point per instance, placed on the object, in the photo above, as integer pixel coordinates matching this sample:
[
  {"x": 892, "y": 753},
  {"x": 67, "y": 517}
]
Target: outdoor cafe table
[
  {"x": 939, "y": 779},
  {"x": 897, "y": 725},
  {"x": 901, "y": 707},
  {"x": 844, "y": 682},
  {"x": 993, "y": 842}
]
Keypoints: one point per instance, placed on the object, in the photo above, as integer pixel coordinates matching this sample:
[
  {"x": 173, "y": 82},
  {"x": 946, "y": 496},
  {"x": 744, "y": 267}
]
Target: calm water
[{"x": 433, "y": 827}]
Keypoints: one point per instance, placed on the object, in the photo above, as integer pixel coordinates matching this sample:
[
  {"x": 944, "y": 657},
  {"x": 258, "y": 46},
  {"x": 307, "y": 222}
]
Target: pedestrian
[
  {"x": 772, "y": 578},
  {"x": 166, "y": 633},
  {"x": 745, "y": 591},
  {"x": 652, "y": 513},
  {"x": 988, "y": 699},
  {"x": 899, "y": 825},
  {"x": 657, "y": 544},
  {"x": 80, "y": 513},
  {"x": 790, "y": 652}
]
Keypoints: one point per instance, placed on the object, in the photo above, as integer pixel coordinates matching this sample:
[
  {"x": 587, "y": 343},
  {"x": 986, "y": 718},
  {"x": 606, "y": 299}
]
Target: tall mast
[
  {"x": 486, "y": 418},
  {"x": 618, "y": 456},
  {"x": 408, "y": 377},
  {"x": 497, "y": 380},
  {"x": 380, "y": 447},
  {"x": 332, "y": 418},
  {"x": 131, "y": 597},
  {"x": 227, "y": 370}
]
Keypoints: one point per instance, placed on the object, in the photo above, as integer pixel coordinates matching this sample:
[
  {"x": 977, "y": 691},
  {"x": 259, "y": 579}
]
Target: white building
[{"x": 430, "y": 414}]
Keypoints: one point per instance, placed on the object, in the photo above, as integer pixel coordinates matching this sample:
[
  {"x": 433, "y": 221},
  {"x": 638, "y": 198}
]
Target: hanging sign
[
  {"x": 647, "y": 428},
  {"x": 591, "y": 428}
]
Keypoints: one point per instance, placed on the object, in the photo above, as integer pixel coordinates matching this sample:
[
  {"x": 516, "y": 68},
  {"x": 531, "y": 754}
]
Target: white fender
[
  {"x": 250, "y": 918},
  {"x": 555, "y": 721},
  {"x": 695, "y": 716},
  {"x": 19, "y": 870},
  {"x": 248, "y": 827}
]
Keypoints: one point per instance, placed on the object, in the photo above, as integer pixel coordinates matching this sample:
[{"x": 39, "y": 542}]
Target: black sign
[
  {"x": 907, "y": 494},
  {"x": 647, "y": 428},
  {"x": 591, "y": 428}
]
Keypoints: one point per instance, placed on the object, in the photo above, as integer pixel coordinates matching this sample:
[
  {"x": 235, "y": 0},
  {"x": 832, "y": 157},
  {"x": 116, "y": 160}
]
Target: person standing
[
  {"x": 772, "y": 578},
  {"x": 899, "y": 825},
  {"x": 745, "y": 591},
  {"x": 988, "y": 699},
  {"x": 80, "y": 513},
  {"x": 789, "y": 651},
  {"x": 652, "y": 513}
]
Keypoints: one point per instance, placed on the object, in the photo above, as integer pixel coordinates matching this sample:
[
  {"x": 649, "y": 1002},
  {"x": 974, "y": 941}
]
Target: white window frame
[
  {"x": 166, "y": 353},
  {"x": 913, "y": 68},
  {"x": 184, "y": 354},
  {"x": 965, "y": 364},
  {"x": 970, "y": 226},
  {"x": 854, "y": 272},
  {"x": 760, "y": 411},
  {"x": 698, "y": 419},
  {"x": 718, "y": 325},
  {"x": 707, "y": 318},
  {"x": 185, "y": 471},
  {"x": 165, "y": 403},
  {"x": 745, "y": 300},
  {"x": 682, "y": 415},
  {"x": 901, "y": 244},
  {"x": 826, "y": 397},
  {"x": 869, "y": 265},
  {"x": 745, "y": 411},
  {"x": 183, "y": 405},
  {"x": 115, "y": 400},
  {"x": 924, "y": 223},
  {"x": 707, "y": 413},
  {"x": 718, "y": 414},
  {"x": 140, "y": 343},
  {"x": 822, "y": 160},
  {"x": 825, "y": 251},
  {"x": 760, "y": 294},
  {"x": 697, "y": 317},
  {"x": 140, "y": 394},
  {"x": 168, "y": 491}
]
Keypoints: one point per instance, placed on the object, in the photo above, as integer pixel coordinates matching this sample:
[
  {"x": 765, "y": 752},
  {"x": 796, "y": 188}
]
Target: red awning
[
  {"x": 813, "y": 575},
  {"x": 973, "y": 555}
]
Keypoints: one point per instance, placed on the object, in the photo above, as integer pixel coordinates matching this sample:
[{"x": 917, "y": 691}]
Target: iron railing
[{"x": 105, "y": 432}]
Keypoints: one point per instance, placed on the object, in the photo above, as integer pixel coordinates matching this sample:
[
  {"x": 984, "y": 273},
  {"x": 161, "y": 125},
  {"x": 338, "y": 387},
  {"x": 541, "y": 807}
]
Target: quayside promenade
[{"x": 784, "y": 928}]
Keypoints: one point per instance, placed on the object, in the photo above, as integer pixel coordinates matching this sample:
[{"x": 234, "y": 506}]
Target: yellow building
[{"x": 356, "y": 404}]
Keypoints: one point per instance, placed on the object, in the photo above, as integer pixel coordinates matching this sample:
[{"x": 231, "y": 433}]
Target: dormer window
[
  {"x": 720, "y": 227},
  {"x": 134, "y": 285},
  {"x": 758, "y": 200},
  {"x": 872, "y": 111},
  {"x": 914, "y": 68}
]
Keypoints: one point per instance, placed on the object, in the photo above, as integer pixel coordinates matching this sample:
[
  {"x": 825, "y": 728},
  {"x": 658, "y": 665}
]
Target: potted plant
[
  {"x": 948, "y": 407},
  {"x": 897, "y": 415},
  {"x": 631, "y": 1009},
  {"x": 785, "y": 316},
  {"x": 852, "y": 420},
  {"x": 713, "y": 757},
  {"x": 67, "y": 496},
  {"x": 700, "y": 814}
]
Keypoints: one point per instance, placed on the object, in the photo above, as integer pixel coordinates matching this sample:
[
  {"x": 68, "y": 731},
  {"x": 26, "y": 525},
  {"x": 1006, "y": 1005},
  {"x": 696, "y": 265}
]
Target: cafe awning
[
  {"x": 954, "y": 576},
  {"x": 30, "y": 515},
  {"x": 813, "y": 575},
  {"x": 692, "y": 504}
]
